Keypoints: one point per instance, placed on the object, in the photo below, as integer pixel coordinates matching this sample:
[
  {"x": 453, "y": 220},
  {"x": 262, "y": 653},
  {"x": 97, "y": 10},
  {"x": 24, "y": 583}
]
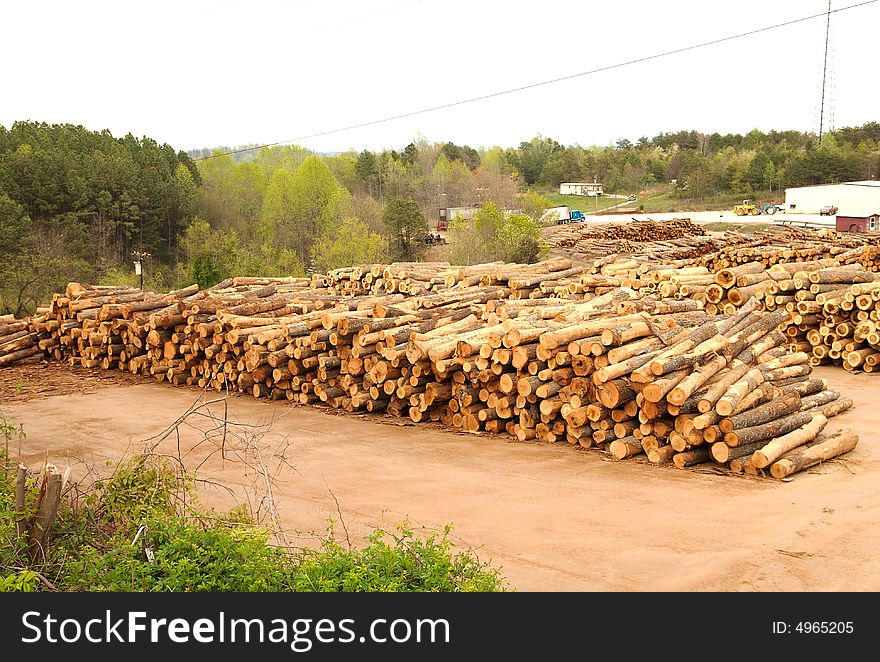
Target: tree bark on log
[
  {"x": 819, "y": 399},
  {"x": 13, "y": 357},
  {"x": 769, "y": 430},
  {"x": 660, "y": 454},
  {"x": 677, "y": 357},
  {"x": 707, "y": 402},
  {"x": 833, "y": 446},
  {"x": 771, "y": 411},
  {"x": 656, "y": 390},
  {"x": 626, "y": 447},
  {"x": 734, "y": 395},
  {"x": 834, "y": 408},
  {"x": 723, "y": 453},
  {"x": 808, "y": 387},
  {"x": 691, "y": 457},
  {"x": 768, "y": 454}
]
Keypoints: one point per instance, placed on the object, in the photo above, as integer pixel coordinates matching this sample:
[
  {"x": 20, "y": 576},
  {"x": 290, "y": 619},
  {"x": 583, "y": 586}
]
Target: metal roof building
[{"x": 858, "y": 198}]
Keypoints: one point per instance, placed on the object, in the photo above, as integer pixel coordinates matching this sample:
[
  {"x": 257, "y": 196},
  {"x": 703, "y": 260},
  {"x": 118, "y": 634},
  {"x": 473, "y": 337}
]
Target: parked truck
[{"x": 563, "y": 215}]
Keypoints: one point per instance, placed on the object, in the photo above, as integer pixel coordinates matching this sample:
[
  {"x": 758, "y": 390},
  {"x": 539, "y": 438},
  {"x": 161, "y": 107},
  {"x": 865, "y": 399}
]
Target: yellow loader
[{"x": 747, "y": 208}]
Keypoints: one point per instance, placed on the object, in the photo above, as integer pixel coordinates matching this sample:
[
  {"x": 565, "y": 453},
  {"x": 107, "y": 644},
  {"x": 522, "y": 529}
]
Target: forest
[{"x": 82, "y": 205}]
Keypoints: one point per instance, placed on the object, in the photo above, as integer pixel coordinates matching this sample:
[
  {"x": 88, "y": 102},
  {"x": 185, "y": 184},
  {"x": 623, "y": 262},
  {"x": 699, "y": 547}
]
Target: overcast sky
[{"x": 204, "y": 73}]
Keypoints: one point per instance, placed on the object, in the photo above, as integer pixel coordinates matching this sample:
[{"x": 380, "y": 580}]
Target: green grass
[
  {"x": 670, "y": 202},
  {"x": 586, "y": 204},
  {"x": 656, "y": 203}
]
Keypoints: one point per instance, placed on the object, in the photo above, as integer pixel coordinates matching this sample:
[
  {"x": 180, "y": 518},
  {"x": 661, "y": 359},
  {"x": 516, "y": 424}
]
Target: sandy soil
[{"x": 554, "y": 518}]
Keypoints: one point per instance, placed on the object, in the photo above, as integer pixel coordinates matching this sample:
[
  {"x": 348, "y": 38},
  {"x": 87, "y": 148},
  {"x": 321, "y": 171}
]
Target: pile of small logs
[
  {"x": 832, "y": 314},
  {"x": 839, "y": 319},
  {"x": 602, "y": 246},
  {"x": 418, "y": 279},
  {"x": 717, "y": 251},
  {"x": 797, "y": 245},
  {"x": 408, "y": 278},
  {"x": 642, "y": 231},
  {"x": 128, "y": 329},
  {"x": 832, "y": 309},
  {"x": 19, "y": 341},
  {"x": 678, "y": 238}
]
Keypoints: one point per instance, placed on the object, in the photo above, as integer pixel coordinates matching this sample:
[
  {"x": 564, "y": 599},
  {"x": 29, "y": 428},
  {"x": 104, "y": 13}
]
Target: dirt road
[{"x": 554, "y": 518}]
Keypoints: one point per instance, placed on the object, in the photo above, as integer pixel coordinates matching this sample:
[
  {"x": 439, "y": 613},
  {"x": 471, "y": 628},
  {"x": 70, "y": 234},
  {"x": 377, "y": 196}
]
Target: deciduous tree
[
  {"x": 407, "y": 228},
  {"x": 299, "y": 207},
  {"x": 350, "y": 243}
]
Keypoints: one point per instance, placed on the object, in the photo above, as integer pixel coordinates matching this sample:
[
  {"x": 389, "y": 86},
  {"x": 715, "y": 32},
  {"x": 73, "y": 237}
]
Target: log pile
[
  {"x": 840, "y": 318},
  {"x": 426, "y": 279},
  {"x": 833, "y": 307},
  {"x": 406, "y": 278},
  {"x": 634, "y": 358},
  {"x": 678, "y": 238},
  {"x": 20, "y": 342},
  {"x": 639, "y": 231},
  {"x": 616, "y": 368},
  {"x": 791, "y": 244},
  {"x": 824, "y": 280},
  {"x": 687, "y": 244},
  {"x": 717, "y": 251},
  {"x": 722, "y": 390}
]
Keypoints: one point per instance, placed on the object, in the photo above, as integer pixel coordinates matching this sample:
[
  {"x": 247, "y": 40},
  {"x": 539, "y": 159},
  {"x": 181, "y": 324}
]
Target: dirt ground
[
  {"x": 552, "y": 517},
  {"x": 50, "y": 378}
]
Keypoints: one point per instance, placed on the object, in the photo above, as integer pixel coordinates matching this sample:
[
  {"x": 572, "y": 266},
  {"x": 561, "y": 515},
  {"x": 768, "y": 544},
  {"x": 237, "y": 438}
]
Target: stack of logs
[
  {"x": 677, "y": 228},
  {"x": 833, "y": 302},
  {"x": 648, "y": 239},
  {"x": 834, "y": 308},
  {"x": 415, "y": 279},
  {"x": 687, "y": 244},
  {"x": 20, "y": 342},
  {"x": 718, "y": 251},
  {"x": 796, "y": 245},
  {"x": 687, "y": 393},
  {"x": 611, "y": 367}
]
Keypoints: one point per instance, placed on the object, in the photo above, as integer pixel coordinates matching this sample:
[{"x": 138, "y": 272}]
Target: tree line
[
  {"x": 78, "y": 204},
  {"x": 706, "y": 164}
]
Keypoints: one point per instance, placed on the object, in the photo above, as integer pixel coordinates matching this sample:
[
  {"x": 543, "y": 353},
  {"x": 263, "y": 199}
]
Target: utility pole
[
  {"x": 824, "y": 72},
  {"x": 139, "y": 264}
]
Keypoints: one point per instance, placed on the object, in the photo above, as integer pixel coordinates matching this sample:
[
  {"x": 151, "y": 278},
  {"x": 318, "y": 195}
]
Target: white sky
[{"x": 204, "y": 73}]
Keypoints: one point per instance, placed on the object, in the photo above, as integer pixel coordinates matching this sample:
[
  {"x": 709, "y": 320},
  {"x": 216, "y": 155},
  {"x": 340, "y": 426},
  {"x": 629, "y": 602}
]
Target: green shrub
[
  {"x": 143, "y": 487},
  {"x": 493, "y": 235},
  {"x": 185, "y": 557},
  {"x": 23, "y": 581},
  {"x": 142, "y": 530},
  {"x": 395, "y": 562}
]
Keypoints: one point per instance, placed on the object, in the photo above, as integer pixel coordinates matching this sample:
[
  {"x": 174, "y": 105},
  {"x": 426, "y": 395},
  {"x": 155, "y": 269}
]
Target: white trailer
[{"x": 556, "y": 215}]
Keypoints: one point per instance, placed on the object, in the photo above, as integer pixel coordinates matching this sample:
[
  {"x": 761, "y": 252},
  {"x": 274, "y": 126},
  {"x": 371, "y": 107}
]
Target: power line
[{"x": 551, "y": 81}]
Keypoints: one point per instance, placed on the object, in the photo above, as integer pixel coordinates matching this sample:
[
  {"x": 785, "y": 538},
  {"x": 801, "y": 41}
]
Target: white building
[
  {"x": 581, "y": 188},
  {"x": 848, "y": 197}
]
